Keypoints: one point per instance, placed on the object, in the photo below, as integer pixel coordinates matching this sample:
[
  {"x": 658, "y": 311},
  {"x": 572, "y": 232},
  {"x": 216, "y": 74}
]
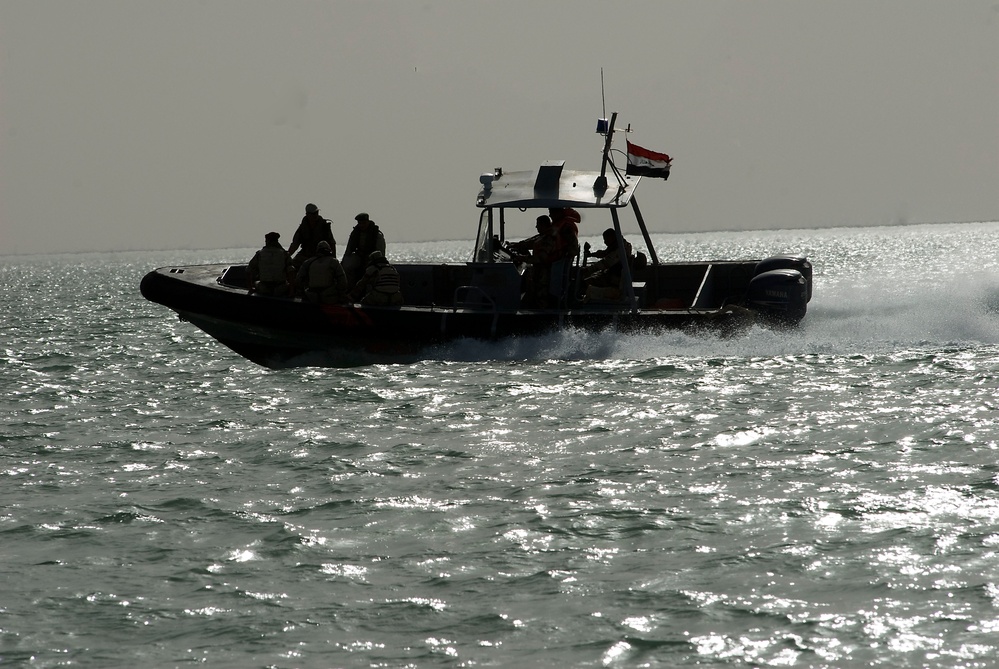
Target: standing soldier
[
  {"x": 540, "y": 252},
  {"x": 565, "y": 221},
  {"x": 364, "y": 239},
  {"x": 312, "y": 230}
]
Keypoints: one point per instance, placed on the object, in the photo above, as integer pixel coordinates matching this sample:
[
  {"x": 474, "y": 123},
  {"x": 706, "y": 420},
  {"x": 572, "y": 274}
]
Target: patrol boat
[{"x": 483, "y": 298}]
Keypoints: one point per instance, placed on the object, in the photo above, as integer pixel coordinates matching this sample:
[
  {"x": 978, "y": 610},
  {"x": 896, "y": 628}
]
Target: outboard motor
[
  {"x": 780, "y": 295},
  {"x": 799, "y": 263}
]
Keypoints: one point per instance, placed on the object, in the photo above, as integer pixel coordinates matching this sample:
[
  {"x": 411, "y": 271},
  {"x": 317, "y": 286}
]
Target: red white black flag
[{"x": 645, "y": 163}]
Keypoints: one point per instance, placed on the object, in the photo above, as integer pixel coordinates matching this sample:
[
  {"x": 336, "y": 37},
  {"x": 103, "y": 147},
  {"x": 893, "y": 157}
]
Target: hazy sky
[{"x": 202, "y": 124}]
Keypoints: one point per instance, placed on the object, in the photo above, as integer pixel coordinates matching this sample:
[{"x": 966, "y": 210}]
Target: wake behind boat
[{"x": 485, "y": 298}]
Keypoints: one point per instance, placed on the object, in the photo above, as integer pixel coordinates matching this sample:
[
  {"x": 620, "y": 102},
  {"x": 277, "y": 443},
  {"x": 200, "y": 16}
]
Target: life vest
[
  {"x": 571, "y": 215},
  {"x": 272, "y": 264},
  {"x": 566, "y": 233},
  {"x": 545, "y": 248},
  {"x": 386, "y": 280},
  {"x": 363, "y": 242},
  {"x": 321, "y": 272},
  {"x": 313, "y": 229}
]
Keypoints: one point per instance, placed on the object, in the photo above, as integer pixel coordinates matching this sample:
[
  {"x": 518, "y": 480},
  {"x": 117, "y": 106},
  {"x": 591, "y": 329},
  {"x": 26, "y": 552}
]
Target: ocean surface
[{"x": 826, "y": 497}]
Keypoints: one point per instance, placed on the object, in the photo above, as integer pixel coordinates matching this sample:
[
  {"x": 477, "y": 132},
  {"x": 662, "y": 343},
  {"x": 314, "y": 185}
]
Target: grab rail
[
  {"x": 701, "y": 288},
  {"x": 459, "y": 304}
]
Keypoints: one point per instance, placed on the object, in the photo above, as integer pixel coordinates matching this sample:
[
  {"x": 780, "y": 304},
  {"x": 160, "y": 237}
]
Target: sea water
[{"x": 824, "y": 497}]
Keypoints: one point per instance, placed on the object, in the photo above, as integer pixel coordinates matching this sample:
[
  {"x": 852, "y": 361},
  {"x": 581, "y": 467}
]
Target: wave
[{"x": 853, "y": 317}]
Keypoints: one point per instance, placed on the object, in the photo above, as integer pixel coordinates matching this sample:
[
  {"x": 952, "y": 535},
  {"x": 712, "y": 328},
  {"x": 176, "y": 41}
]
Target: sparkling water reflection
[{"x": 827, "y": 497}]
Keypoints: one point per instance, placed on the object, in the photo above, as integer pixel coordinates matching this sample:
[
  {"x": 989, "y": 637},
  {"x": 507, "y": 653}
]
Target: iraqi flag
[{"x": 645, "y": 163}]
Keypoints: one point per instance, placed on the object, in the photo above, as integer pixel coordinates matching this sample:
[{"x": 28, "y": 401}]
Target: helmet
[
  {"x": 311, "y": 209},
  {"x": 323, "y": 247}
]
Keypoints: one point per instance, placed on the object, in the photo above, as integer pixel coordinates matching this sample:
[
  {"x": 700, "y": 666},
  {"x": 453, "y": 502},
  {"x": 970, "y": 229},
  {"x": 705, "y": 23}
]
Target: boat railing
[
  {"x": 702, "y": 290},
  {"x": 459, "y": 303}
]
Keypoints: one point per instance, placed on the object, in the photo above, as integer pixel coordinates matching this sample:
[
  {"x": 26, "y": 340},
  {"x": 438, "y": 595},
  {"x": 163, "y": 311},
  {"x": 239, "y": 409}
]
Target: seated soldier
[
  {"x": 603, "y": 278},
  {"x": 322, "y": 277},
  {"x": 380, "y": 285},
  {"x": 270, "y": 270},
  {"x": 522, "y": 248}
]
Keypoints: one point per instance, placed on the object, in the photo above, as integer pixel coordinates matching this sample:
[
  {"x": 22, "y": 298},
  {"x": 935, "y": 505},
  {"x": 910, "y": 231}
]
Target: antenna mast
[
  {"x": 606, "y": 129},
  {"x": 603, "y": 99}
]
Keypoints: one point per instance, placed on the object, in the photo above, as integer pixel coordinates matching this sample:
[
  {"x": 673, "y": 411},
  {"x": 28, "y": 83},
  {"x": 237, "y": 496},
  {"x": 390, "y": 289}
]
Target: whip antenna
[
  {"x": 603, "y": 99},
  {"x": 602, "y": 124}
]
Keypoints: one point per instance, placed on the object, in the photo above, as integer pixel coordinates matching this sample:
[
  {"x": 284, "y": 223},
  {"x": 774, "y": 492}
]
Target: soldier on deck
[
  {"x": 365, "y": 239},
  {"x": 312, "y": 230},
  {"x": 270, "y": 270}
]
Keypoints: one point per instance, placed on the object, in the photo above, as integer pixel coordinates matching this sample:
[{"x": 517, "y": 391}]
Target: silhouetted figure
[
  {"x": 270, "y": 270},
  {"x": 312, "y": 230}
]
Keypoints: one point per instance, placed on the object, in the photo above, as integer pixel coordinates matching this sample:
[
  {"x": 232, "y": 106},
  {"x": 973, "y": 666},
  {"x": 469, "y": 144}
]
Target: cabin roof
[{"x": 550, "y": 185}]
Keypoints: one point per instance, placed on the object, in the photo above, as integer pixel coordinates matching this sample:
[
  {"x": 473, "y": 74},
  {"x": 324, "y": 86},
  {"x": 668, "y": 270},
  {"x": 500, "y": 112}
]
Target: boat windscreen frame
[
  {"x": 487, "y": 242},
  {"x": 645, "y": 231},
  {"x": 483, "y": 249}
]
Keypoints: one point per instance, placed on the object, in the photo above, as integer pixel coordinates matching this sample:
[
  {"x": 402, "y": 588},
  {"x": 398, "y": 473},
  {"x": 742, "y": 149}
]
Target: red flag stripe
[{"x": 636, "y": 150}]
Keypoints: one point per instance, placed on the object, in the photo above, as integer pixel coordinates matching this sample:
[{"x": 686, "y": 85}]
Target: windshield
[{"x": 483, "y": 251}]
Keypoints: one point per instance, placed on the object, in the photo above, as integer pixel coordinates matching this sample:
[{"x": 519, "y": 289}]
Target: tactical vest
[
  {"x": 387, "y": 280},
  {"x": 367, "y": 240},
  {"x": 321, "y": 272},
  {"x": 272, "y": 264}
]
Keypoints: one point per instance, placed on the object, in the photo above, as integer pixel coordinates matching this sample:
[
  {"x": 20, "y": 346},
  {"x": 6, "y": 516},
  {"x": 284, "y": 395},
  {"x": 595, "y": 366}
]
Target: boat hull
[{"x": 281, "y": 332}]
